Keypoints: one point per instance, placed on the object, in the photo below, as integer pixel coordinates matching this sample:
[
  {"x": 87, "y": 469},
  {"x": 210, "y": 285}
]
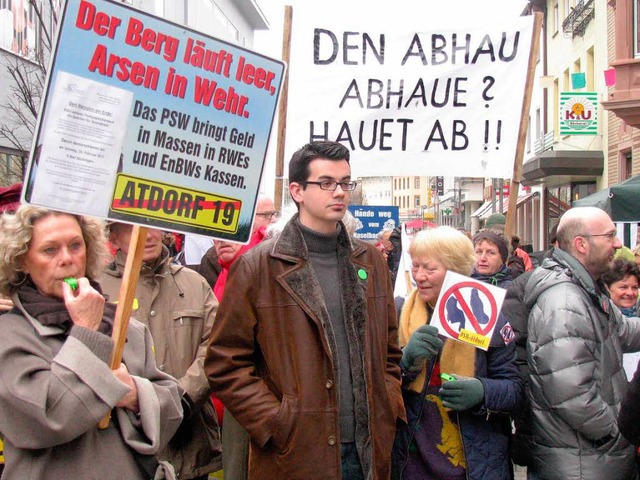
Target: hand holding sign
[
  {"x": 467, "y": 310},
  {"x": 423, "y": 344}
]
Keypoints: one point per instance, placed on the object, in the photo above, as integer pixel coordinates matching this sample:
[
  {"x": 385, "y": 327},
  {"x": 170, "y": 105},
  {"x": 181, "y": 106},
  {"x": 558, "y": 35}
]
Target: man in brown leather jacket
[{"x": 304, "y": 351}]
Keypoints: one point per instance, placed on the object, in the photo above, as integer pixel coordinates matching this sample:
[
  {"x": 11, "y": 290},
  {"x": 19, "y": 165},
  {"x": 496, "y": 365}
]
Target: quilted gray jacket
[{"x": 576, "y": 337}]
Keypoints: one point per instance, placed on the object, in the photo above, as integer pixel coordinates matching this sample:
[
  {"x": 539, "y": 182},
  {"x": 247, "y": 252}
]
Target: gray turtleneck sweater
[{"x": 323, "y": 257}]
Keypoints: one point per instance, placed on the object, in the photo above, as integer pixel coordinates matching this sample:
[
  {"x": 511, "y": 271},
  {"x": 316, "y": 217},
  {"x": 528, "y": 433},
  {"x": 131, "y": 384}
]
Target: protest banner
[
  {"x": 417, "y": 97},
  {"x": 149, "y": 122},
  {"x": 467, "y": 310},
  {"x": 370, "y": 220}
]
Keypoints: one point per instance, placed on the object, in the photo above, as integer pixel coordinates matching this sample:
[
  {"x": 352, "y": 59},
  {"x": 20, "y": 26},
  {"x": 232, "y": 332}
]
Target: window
[
  {"x": 173, "y": 11},
  {"x": 582, "y": 189},
  {"x": 200, "y": 14},
  {"x": 416, "y": 182},
  {"x": 556, "y": 101},
  {"x": 590, "y": 69},
  {"x": 222, "y": 18},
  {"x": 577, "y": 68},
  {"x": 416, "y": 201},
  {"x": 158, "y": 8},
  {"x": 556, "y": 17},
  {"x": 625, "y": 167},
  {"x": 567, "y": 8},
  {"x": 11, "y": 168},
  {"x": 20, "y": 32}
]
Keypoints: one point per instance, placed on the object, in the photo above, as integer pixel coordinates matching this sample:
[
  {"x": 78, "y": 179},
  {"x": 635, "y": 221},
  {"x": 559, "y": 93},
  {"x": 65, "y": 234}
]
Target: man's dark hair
[
  {"x": 620, "y": 269},
  {"x": 299, "y": 164}
]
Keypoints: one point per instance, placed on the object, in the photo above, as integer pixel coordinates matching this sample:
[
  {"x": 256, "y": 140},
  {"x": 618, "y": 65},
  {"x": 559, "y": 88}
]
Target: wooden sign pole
[
  {"x": 125, "y": 300},
  {"x": 510, "y": 226},
  {"x": 282, "y": 110}
]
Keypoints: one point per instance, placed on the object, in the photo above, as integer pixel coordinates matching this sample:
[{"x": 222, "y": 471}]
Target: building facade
[
  {"x": 623, "y": 155},
  {"x": 376, "y": 191},
  {"x": 412, "y": 195},
  {"x": 567, "y": 164}
]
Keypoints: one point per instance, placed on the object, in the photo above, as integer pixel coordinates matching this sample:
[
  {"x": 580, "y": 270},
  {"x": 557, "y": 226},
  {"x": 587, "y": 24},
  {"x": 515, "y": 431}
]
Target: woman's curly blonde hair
[{"x": 15, "y": 238}]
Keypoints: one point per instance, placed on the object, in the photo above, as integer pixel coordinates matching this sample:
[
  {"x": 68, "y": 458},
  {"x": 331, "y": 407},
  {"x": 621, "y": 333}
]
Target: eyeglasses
[
  {"x": 331, "y": 185},
  {"x": 610, "y": 235},
  {"x": 268, "y": 214}
]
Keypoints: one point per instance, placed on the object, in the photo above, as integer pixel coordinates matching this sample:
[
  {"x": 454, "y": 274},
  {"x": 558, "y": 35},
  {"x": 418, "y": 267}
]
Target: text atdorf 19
[{"x": 141, "y": 197}]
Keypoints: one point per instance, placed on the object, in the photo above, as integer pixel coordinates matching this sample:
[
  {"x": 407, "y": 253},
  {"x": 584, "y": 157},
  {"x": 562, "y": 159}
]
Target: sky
[{"x": 269, "y": 42}]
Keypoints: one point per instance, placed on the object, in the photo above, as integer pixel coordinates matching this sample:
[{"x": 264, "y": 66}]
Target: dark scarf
[
  {"x": 52, "y": 311},
  {"x": 629, "y": 311},
  {"x": 496, "y": 279}
]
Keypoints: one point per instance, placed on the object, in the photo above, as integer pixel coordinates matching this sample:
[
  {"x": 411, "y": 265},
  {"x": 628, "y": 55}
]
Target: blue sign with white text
[{"x": 370, "y": 220}]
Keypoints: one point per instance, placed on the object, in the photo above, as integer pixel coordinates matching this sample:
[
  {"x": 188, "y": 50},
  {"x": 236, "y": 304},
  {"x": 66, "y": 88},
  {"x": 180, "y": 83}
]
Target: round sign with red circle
[{"x": 479, "y": 321}]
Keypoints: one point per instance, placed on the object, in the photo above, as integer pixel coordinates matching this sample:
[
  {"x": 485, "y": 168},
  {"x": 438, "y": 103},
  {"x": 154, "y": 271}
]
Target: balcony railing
[
  {"x": 576, "y": 22},
  {"x": 543, "y": 143}
]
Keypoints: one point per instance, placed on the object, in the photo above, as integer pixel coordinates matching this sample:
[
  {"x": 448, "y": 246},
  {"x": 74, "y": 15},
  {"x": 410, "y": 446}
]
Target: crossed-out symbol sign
[{"x": 455, "y": 308}]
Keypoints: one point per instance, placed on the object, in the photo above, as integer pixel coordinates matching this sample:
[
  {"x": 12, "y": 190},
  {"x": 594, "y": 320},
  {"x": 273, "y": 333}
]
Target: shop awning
[
  {"x": 560, "y": 166},
  {"x": 620, "y": 201},
  {"x": 485, "y": 210}
]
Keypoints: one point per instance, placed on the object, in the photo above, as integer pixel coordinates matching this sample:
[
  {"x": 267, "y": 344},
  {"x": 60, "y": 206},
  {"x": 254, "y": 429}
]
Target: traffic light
[{"x": 440, "y": 186}]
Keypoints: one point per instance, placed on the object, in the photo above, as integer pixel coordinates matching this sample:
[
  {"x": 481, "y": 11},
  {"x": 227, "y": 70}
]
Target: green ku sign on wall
[{"x": 578, "y": 113}]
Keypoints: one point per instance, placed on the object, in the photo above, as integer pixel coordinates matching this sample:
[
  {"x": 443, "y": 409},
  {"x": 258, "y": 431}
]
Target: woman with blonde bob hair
[
  {"x": 450, "y": 246},
  {"x": 15, "y": 237},
  {"x": 458, "y": 423},
  {"x": 56, "y": 345}
]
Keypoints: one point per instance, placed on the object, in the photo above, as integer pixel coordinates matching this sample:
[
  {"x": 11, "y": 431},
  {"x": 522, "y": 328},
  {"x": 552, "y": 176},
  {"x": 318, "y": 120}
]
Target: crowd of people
[{"x": 293, "y": 360}]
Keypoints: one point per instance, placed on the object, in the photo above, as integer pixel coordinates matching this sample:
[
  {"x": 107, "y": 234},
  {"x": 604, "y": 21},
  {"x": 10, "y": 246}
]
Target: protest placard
[
  {"x": 467, "y": 309},
  {"x": 149, "y": 122},
  {"x": 370, "y": 220},
  {"x": 415, "y": 97}
]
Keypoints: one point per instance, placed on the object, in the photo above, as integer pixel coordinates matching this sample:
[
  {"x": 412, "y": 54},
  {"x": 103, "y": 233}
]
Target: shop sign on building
[{"x": 578, "y": 113}]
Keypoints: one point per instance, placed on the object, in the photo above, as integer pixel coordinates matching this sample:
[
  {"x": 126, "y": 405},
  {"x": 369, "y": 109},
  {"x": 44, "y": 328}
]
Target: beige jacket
[{"x": 179, "y": 308}]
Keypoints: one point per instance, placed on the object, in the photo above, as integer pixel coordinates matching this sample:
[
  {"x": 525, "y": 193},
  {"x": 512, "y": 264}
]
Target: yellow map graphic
[{"x": 450, "y": 440}]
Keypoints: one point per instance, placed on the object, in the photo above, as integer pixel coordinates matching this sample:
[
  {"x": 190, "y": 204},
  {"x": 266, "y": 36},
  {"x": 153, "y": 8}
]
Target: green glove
[
  {"x": 423, "y": 344},
  {"x": 462, "y": 394}
]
